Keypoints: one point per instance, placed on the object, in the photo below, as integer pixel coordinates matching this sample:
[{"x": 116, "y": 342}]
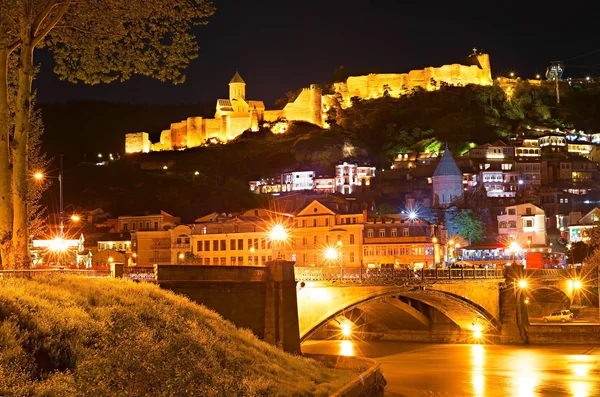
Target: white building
[
  {"x": 297, "y": 180},
  {"x": 524, "y": 223},
  {"x": 350, "y": 177}
]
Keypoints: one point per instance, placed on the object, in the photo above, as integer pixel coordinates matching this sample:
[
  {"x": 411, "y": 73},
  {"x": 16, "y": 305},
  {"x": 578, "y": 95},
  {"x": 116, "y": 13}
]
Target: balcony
[{"x": 181, "y": 245}]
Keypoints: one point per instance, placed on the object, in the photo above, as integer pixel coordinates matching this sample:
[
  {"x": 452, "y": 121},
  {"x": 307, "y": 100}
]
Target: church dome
[{"x": 447, "y": 165}]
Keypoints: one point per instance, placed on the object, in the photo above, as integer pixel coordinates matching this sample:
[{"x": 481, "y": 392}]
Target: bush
[{"x": 97, "y": 337}]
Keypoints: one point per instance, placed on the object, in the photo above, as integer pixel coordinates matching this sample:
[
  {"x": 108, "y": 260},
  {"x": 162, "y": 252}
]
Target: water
[{"x": 413, "y": 369}]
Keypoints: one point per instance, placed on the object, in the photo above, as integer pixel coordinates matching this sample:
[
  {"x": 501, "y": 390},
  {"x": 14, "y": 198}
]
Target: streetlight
[
  {"x": 181, "y": 257},
  {"x": 522, "y": 284},
  {"x": 75, "y": 218},
  {"x": 278, "y": 235}
]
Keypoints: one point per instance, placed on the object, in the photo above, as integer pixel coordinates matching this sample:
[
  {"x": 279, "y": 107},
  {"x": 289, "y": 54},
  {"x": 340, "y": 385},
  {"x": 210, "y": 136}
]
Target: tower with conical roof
[
  {"x": 447, "y": 181},
  {"x": 237, "y": 87}
]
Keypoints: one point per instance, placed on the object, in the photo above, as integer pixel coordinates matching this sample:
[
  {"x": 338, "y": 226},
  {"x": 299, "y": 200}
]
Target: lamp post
[
  {"x": 332, "y": 254},
  {"x": 278, "y": 235}
]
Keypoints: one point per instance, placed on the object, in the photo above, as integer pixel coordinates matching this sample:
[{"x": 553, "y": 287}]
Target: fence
[
  {"x": 36, "y": 273},
  {"x": 383, "y": 275}
]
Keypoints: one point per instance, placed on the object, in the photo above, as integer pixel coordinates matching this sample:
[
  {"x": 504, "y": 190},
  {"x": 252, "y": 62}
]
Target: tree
[
  {"x": 93, "y": 42},
  {"x": 469, "y": 225}
]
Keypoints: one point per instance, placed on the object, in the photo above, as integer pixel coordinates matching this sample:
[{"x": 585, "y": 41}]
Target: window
[
  {"x": 529, "y": 223},
  {"x": 232, "y": 244},
  {"x": 263, "y": 259},
  {"x": 207, "y": 245},
  {"x": 207, "y": 261},
  {"x": 394, "y": 232},
  {"x": 315, "y": 241},
  {"x": 240, "y": 261},
  {"x": 133, "y": 226},
  {"x": 326, "y": 240},
  {"x": 198, "y": 245},
  {"x": 141, "y": 225},
  {"x": 147, "y": 225},
  {"x": 326, "y": 221},
  {"x": 155, "y": 225},
  {"x": 511, "y": 211},
  {"x": 352, "y": 239},
  {"x": 250, "y": 243},
  {"x": 215, "y": 245},
  {"x": 262, "y": 243},
  {"x": 370, "y": 233},
  {"x": 223, "y": 261},
  {"x": 314, "y": 222},
  {"x": 240, "y": 244},
  {"x": 223, "y": 245},
  {"x": 255, "y": 243},
  {"x": 528, "y": 211},
  {"x": 381, "y": 232},
  {"x": 405, "y": 232},
  {"x": 124, "y": 227},
  {"x": 233, "y": 261}
]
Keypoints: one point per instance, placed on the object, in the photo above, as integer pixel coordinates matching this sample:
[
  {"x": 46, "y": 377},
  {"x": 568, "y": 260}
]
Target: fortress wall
[
  {"x": 307, "y": 107},
  {"x": 137, "y": 142},
  {"x": 195, "y": 131},
  {"x": 165, "y": 140},
  {"x": 212, "y": 128},
  {"x": 238, "y": 123},
  {"x": 179, "y": 134},
  {"x": 272, "y": 115},
  {"x": 374, "y": 85}
]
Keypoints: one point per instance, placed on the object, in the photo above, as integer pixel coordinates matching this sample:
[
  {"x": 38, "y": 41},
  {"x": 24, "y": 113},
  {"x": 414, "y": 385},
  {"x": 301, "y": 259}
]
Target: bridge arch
[
  {"x": 544, "y": 299},
  {"x": 320, "y": 304}
]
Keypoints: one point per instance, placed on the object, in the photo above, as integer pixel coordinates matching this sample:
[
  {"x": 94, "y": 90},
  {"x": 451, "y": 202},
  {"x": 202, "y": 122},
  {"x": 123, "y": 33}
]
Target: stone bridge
[{"x": 437, "y": 304}]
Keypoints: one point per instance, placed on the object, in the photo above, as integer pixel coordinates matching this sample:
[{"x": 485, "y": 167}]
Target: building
[
  {"x": 151, "y": 247},
  {"x": 524, "y": 223},
  {"x": 492, "y": 151},
  {"x": 146, "y": 222},
  {"x": 297, "y": 180},
  {"x": 447, "y": 181},
  {"x": 403, "y": 245},
  {"x": 233, "y": 116},
  {"x": 580, "y": 231},
  {"x": 120, "y": 242},
  {"x": 353, "y": 178},
  {"x": 324, "y": 184},
  {"x": 413, "y": 159}
]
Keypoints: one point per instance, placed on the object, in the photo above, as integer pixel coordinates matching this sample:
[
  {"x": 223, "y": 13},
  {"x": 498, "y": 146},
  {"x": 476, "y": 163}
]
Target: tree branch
[
  {"x": 90, "y": 32},
  {"x": 42, "y": 16},
  {"x": 51, "y": 24}
]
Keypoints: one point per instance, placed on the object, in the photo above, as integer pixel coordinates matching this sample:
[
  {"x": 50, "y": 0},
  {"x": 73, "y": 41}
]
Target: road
[{"x": 430, "y": 370}]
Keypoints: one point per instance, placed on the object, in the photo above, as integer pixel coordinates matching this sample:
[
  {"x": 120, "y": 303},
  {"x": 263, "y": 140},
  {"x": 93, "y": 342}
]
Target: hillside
[
  {"x": 72, "y": 336},
  {"x": 372, "y": 130}
]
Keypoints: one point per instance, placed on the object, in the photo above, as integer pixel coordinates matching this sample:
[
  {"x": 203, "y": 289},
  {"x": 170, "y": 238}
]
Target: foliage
[
  {"x": 468, "y": 225},
  {"x": 92, "y": 42},
  {"x": 98, "y": 337}
]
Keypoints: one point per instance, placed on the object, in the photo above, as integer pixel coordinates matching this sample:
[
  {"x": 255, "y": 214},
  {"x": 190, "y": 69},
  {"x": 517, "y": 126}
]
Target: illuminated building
[
  {"x": 524, "y": 223},
  {"x": 160, "y": 221},
  {"x": 412, "y": 160},
  {"x": 233, "y": 116},
  {"x": 297, "y": 180},
  {"x": 353, "y": 178},
  {"x": 447, "y": 181},
  {"x": 493, "y": 151},
  {"x": 403, "y": 244},
  {"x": 324, "y": 184},
  {"x": 120, "y": 242},
  {"x": 579, "y": 230}
]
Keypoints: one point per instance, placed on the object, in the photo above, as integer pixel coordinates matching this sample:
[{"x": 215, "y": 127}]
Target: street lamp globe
[
  {"x": 331, "y": 253},
  {"x": 39, "y": 176},
  {"x": 412, "y": 215},
  {"x": 278, "y": 233},
  {"x": 522, "y": 284},
  {"x": 577, "y": 284},
  {"x": 514, "y": 247},
  {"x": 75, "y": 218}
]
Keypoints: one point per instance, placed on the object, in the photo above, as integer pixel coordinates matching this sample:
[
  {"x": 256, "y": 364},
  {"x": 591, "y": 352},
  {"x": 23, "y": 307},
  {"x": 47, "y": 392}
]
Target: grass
[{"x": 73, "y": 336}]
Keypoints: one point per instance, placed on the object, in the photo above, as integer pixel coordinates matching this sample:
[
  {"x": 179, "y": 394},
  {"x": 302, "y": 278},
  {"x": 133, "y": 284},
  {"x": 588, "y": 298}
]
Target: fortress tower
[
  {"x": 237, "y": 87},
  {"x": 447, "y": 181}
]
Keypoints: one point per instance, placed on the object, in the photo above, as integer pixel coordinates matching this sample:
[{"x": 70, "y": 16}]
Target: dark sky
[{"x": 279, "y": 46}]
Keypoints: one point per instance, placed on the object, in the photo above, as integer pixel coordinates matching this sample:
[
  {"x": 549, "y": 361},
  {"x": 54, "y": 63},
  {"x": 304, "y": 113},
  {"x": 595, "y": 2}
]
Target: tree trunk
[
  {"x": 5, "y": 176},
  {"x": 20, "y": 236}
]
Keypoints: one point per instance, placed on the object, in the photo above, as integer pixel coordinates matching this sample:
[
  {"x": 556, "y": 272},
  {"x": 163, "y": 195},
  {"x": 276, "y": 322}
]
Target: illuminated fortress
[{"x": 235, "y": 115}]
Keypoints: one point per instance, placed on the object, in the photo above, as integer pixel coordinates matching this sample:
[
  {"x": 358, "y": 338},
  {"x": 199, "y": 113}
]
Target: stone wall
[
  {"x": 307, "y": 107},
  {"x": 375, "y": 85},
  {"x": 137, "y": 142}
]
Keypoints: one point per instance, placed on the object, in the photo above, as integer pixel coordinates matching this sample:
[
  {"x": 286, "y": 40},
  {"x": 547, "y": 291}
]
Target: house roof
[
  {"x": 237, "y": 78},
  {"x": 447, "y": 165}
]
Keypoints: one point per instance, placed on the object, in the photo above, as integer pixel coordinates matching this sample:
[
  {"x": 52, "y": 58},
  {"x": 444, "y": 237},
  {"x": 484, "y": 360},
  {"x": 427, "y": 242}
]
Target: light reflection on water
[{"x": 478, "y": 370}]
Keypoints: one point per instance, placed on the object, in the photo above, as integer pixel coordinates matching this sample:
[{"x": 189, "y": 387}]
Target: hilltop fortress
[{"x": 235, "y": 115}]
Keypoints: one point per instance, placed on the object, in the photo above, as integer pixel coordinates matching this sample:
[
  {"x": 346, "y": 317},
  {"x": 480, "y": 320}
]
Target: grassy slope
[{"x": 100, "y": 337}]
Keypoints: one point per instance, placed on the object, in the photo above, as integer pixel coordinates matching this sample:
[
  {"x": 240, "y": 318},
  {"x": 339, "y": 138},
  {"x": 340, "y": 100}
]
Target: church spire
[{"x": 447, "y": 165}]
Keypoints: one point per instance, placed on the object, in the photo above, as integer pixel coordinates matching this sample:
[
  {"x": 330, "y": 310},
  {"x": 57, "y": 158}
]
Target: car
[{"x": 560, "y": 315}]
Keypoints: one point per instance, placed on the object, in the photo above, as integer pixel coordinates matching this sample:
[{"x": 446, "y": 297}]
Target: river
[{"x": 419, "y": 370}]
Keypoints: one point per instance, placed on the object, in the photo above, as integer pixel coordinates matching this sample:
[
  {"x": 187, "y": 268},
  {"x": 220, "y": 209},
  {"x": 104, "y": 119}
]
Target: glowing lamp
[
  {"x": 346, "y": 329},
  {"x": 514, "y": 247},
  {"x": 576, "y": 284},
  {"x": 165, "y": 167},
  {"x": 434, "y": 240},
  {"x": 58, "y": 244},
  {"x": 451, "y": 242},
  {"x": 477, "y": 331},
  {"x": 522, "y": 284},
  {"x": 197, "y": 173},
  {"x": 331, "y": 253},
  {"x": 39, "y": 176},
  {"x": 412, "y": 215},
  {"x": 75, "y": 218},
  {"x": 278, "y": 233},
  {"x": 339, "y": 243},
  {"x": 110, "y": 259}
]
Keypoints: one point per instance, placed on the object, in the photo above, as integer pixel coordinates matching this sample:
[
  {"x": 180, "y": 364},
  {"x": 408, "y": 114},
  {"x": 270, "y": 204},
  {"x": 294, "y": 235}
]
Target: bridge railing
[
  {"x": 139, "y": 273},
  {"x": 38, "y": 273},
  {"x": 357, "y": 274}
]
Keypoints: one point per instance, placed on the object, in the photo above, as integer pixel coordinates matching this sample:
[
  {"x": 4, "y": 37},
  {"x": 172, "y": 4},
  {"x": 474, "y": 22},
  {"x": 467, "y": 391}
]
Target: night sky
[{"x": 279, "y": 46}]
